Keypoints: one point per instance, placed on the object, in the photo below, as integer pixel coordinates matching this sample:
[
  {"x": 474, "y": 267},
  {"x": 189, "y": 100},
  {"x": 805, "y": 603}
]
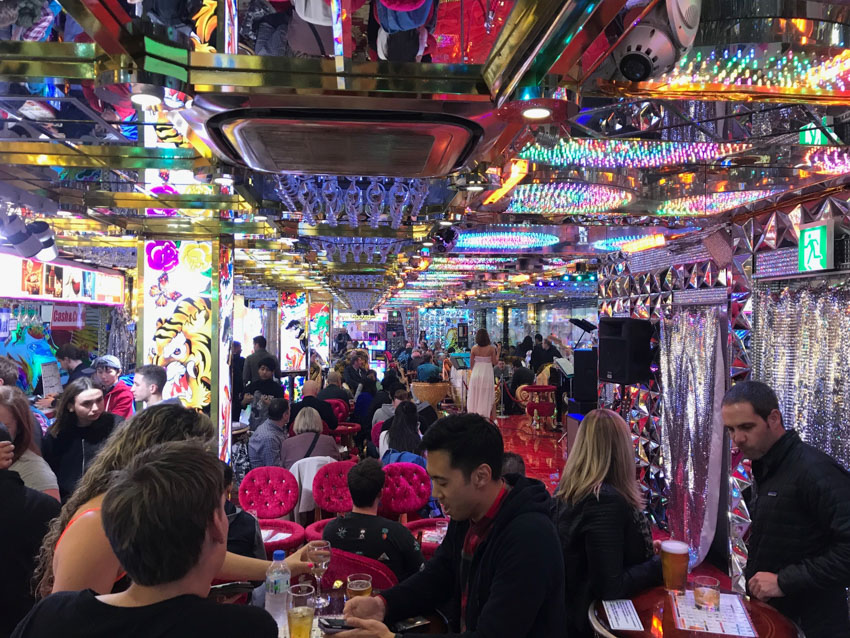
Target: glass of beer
[
  {"x": 302, "y": 608},
  {"x": 674, "y": 565},
  {"x": 359, "y": 585},
  {"x": 707, "y": 593}
]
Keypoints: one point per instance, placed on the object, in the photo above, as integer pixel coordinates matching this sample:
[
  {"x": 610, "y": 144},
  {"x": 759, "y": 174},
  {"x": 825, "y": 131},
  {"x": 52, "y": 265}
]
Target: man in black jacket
[
  {"x": 537, "y": 354},
  {"x": 799, "y": 547},
  {"x": 354, "y": 373},
  {"x": 309, "y": 400},
  {"x": 500, "y": 570}
]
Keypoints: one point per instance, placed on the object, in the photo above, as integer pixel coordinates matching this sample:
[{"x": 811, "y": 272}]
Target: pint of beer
[{"x": 674, "y": 565}]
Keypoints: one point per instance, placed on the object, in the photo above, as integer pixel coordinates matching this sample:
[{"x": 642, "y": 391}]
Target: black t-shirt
[
  {"x": 376, "y": 537},
  {"x": 81, "y": 615},
  {"x": 259, "y": 409}
]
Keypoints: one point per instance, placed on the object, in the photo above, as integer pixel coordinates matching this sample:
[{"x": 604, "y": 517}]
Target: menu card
[
  {"x": 731, "y": 619},
  {"x": 622, "y": 615}
]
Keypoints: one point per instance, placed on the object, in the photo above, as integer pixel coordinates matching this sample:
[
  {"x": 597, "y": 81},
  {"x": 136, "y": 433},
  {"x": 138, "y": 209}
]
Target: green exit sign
[{"x": 816, "y": 248}]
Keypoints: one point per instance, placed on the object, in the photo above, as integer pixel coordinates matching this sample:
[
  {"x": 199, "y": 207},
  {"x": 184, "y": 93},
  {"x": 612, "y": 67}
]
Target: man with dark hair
[
  {"x": 251, "y": 369},
  {"x": 264, "y": 444},
  {"x": 538, "y": 354},
  {"x": 799, "y": 545},
  {"x": 427, "y": 371},
  {"x": 170, "y": 535},
  {"x": 500, "y": 535},
  {"x": 259, "y": 393},
  {"x": 148, "y": 382},
  {"x": 244, "y": 536},
  {"x": 354, "y": 373},
  {"x": 363, "y": 532},
  {"x": 237, "y": 382},
  {"x": 117, "y": 395},
  {"x": 334, "y": 389},
  {"x": 74, "y": 361},
  {"x": 512, "y": 463}
]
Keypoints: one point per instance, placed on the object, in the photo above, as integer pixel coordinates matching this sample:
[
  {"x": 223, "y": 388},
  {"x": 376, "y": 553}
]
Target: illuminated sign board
[
  {"x": 52, "y": 281},
  {"x": 815, "y": 250}
]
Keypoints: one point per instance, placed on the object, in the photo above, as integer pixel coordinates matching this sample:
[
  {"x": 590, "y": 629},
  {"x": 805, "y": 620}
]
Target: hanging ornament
[{"x": 353, "y": 204}]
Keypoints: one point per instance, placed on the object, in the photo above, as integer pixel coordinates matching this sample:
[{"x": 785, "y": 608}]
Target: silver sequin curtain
[
  {"x": 693, "y": 377},
  {"x": 802, "y": 350}
]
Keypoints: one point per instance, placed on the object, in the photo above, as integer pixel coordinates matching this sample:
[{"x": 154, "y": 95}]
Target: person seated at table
[
  {"x": 363, "y": 532},
  {"x": 76, "y": 555},
  {"x": 427, "y": 371},
  {"x": 243, "y": 530},
  {"x": 259, "y": 393},
  {"x": 512, "y": 463},
  {"x": 368, "y": 391},
  {"x": 117, "y": 395},
  {"x": 80, "y": 430},
  {"x": 25, "y": 458},
  {"x": 387, "y": 410},
  {"x": 170, "y": 536},
  {"x": 606, "y": 539},
  {"x": 310, "y": 400},
  {"x": 499, "y": 569},
  {"x": 264, "y": 444},
  {"x": 307, "y": 440},
  {"x": 334, "y": 389}
]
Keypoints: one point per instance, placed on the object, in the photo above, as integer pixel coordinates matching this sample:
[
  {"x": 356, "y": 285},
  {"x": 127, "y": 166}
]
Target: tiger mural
[{"x": 182, "y": 344}]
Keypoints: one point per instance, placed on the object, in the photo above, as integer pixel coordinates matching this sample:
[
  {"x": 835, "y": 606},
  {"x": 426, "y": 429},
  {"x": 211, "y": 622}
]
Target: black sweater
[
  {"x": 70, "y": 453},
  {"x": 608, "y": 554},
  {"x": 801, "y": 531},
  {"x": 516, "y": 579}
]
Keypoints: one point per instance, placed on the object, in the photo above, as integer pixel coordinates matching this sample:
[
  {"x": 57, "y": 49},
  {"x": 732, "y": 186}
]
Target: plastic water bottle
[{"x": 277, "y": 588}]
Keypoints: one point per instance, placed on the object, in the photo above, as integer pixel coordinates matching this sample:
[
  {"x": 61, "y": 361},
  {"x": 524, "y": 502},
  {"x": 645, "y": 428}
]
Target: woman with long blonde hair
[
  {"x": 76, "y": 554},
  {"x": 605, "y": 536}
]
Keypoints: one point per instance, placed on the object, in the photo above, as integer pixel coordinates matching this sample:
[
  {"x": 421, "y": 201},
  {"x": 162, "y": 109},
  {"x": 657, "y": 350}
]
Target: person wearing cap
[{"x": 118, "y": 397}]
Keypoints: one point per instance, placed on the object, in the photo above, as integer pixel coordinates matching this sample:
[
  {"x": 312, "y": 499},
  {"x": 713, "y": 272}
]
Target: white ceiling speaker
[{"x": 653, "y": 46}]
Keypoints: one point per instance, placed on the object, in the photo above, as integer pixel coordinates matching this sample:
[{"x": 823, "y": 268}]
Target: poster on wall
[
  {"x": 177, "y": 330},
  {"x": 225, "y": 339},
  {"x": 28, "y": 279},
  {"x": 293, "y": 333},
  {"x": 28, "y": 345},
  {"x": 320, "y": 339}
]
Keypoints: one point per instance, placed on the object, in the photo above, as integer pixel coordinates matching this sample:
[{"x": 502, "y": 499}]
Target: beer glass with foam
[{"x": 674, "y": 565}]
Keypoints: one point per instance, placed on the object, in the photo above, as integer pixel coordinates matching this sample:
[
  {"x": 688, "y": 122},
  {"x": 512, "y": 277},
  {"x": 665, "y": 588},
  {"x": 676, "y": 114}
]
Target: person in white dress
[{"x": 481, "y": 395}]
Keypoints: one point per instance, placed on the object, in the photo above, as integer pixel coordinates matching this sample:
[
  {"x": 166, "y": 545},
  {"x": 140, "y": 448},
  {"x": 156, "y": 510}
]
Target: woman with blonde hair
[
  {"x": 605, "y": 536},
  {"x": 307, "y": 440},
  {"x": 76, "y": 554}
]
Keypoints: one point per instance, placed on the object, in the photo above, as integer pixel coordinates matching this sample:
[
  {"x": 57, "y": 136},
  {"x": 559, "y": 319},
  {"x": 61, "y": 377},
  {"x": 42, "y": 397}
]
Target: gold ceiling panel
[
  {"x": 21, "y": 61},
  {"x": 106, "y": 199}
]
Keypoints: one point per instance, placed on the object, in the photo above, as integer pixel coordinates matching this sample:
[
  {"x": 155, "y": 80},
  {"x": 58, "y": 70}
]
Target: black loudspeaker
[
  {"x": 584, "y": 375},
  {"x": 625, "y": 350}
]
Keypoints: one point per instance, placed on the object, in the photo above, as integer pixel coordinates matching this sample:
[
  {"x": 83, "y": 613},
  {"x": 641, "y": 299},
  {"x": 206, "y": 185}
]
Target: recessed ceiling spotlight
[
  {"x": 145, "y": 95},
  {"x": 260, "y": 218},
  {"x": 536, "y": 113},
  {"x": 225, "y": 179},
  {"x": 445, "y": 222},
  {"x": 427, "y": 244}
]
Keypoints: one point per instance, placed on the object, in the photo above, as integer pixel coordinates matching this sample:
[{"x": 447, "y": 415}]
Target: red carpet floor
[{"x": 544, "y": 457}]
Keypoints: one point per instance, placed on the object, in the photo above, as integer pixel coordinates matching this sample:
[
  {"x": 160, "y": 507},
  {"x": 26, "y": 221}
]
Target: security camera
[{"x": 653, "y": 46}]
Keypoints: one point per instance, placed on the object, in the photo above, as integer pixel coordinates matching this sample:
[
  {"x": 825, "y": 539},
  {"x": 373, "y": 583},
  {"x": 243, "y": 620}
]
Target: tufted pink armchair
[
  {"x": 272, "y": 492},
  {"x": 376, "y": 433},
  {"x": 340, "y": 408},
  {"x": 344, "y": 563},
  {"x": 407, "y": 489},
  {"x": 330, "y": 491},
  {"x": 425, "y": 525}
]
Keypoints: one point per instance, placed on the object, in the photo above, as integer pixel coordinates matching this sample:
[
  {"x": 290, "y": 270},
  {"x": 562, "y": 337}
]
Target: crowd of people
[{"x": 100, "y": 511}]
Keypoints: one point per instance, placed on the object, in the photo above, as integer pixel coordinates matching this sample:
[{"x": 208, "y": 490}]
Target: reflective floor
[{"x": 544, "y": 457}]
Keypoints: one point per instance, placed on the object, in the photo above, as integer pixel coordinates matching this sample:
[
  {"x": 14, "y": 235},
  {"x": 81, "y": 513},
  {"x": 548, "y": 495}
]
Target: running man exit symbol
[{"x": 815, "y": 250}]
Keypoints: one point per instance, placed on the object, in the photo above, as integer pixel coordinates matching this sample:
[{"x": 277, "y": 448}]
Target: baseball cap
[{"x": 108, "y": 361}]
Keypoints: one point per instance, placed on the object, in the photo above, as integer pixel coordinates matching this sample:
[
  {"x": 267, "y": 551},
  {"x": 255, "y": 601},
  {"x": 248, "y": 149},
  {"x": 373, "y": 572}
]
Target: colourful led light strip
[
  {"x": 594, "y": 153},
  {"x": 572, "y": 198},
  {"x": 614, "y": 243},
  {"x": 519, "y": 169},
  {"x": 505, "y": 241},
  {"x": 712, "y": 203},
  {"x": 832, "y": 161},
  {"x": 644, "y": 243}
]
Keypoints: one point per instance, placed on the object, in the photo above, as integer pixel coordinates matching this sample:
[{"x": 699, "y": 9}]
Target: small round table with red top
[
  {"x": 654, "y": 609},
  {"x": 541, "y": 404}
]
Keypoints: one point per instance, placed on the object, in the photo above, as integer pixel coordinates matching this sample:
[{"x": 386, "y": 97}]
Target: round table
[{"x": 654, "y": 609}]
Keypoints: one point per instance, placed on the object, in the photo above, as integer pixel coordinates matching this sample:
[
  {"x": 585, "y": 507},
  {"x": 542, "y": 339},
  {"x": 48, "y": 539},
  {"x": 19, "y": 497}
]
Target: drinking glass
[
  {"x": 442, "y": 529},
  {"x": 301, "y": 611},
  {"x": 319, "y": 554},
  {"x": 359, "y": 585},
  {"x": 674, "y": 564},
  {"x": 707, "y": 593}
]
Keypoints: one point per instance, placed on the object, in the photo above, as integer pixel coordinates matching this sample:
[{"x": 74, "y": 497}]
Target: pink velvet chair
[
  {"x": 272, "y": 493},
  {"x": 407, "y": 490},
  {"x": 345, "y": 563},
  {"x": 340, "y": 409},
  {"x": 376, "y": 433},
  {"x": 330, "y": 491}
]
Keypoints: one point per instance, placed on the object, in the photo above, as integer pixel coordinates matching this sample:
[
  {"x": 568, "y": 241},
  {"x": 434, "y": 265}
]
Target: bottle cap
[{"x": 279, "y": 554}]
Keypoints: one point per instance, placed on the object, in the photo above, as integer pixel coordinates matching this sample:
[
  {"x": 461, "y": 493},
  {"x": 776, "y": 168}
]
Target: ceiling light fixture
[
  {"x": 145, "y": 95},
  {"x": 225, "y": 179},
  {"x": 536, "y": 113},
  {"x": 519, "y": 169},
  {"x": 445, "y": 222}
]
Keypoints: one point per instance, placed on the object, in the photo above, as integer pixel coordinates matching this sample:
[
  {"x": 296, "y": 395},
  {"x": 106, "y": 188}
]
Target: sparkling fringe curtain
[
  {"x": 693, "y": 378},
  {"x": 802, "y": 350}
]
